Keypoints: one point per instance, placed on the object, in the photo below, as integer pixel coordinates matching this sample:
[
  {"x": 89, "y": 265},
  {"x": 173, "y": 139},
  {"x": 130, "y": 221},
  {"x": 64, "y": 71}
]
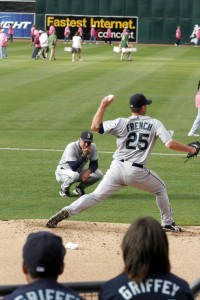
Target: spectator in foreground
[
  {"x": 146, "y": 273},
  {"x": 43, "y": 262}
]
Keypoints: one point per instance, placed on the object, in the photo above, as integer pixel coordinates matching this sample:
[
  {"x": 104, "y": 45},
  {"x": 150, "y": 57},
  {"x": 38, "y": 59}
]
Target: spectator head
[
  {"x": 43, "y": 255},
  {"x": 145, "y": 249}
]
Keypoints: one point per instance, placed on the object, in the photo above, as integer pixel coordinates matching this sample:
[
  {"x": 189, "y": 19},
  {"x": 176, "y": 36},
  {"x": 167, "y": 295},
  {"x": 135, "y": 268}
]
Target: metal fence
[{"x": 89, "y": 290}]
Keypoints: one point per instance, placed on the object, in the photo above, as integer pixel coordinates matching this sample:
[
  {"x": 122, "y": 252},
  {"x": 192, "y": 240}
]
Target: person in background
[
  {"x": 36, "y": 44},
  {"x": 44, "y": 44},
  {"x": 3, "y": 44},
  {"x": 43, "y": 262},
  {"x": 125, "y": 30},
  {"x": 196, "y": 125},
  {"x": 72, "y": 166},
  {"x": 93, "y": 34},
  {"x": 52, "y": 29},
  {"x": 146, "y": 274},
  {"x": 198, "y": 36},
  {"x": 108, "y": 38},
  {"x": 178, "y": 36},
  {"x": 125, "y": 44},
  {"x": 52, "y": 40},
  {"x": 33, "y": 28},
  {"x": 76, "y": 46},
  {"x": 80, "y": 30},
  {"x": 67, "y": 33},
  {"x": 10, "y": 33}
]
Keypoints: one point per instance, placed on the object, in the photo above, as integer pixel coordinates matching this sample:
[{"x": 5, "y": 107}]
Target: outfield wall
[{"x": 157, "y": 19}]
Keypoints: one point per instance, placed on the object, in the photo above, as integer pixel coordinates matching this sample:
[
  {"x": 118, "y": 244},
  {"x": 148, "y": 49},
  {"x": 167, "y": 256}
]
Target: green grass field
[{"x": 45, "y": 105}]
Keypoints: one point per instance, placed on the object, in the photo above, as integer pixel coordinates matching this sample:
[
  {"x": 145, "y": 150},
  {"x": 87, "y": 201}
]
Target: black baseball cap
[
  {"x": 138, "y": 100},
  {"x": 87, "y": 136},
  {"x": 43, "y": 254}
]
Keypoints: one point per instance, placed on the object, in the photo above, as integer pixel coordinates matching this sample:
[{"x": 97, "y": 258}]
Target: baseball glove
[{"x": 195, "y": 145}]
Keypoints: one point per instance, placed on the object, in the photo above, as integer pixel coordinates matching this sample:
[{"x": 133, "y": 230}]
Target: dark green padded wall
[{"x": 157, "y": 19}]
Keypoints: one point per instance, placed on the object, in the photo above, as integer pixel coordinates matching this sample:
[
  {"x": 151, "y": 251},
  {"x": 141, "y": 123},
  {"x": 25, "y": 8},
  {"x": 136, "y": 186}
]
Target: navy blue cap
[
  {"x": 43, "y": 254},
  {"x": 138, "y": 100},
  {"x": 87, "y": 136}
]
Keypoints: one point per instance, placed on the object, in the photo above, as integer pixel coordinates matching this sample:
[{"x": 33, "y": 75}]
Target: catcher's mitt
[{"x": 195, "y": 145}]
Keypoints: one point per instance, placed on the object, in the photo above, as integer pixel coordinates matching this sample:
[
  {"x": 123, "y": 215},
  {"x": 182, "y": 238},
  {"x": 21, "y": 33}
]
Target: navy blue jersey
[
  {"x": 157, "y": 287},
  {"x": 43, "y": 289}
]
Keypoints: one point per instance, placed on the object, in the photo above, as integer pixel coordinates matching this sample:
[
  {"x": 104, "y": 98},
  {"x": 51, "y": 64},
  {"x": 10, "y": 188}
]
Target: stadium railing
[{"x": 89, "y": 290}]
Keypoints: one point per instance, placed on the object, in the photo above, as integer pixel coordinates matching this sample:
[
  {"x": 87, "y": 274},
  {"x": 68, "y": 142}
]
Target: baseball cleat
[
  {"x": 172, "y": 228},
  {"x": 53, "y": 221},
  {"x": 78, "y": 191},
  {"x": 63, "y": 193},
  {"x": 192, "y": 134}
]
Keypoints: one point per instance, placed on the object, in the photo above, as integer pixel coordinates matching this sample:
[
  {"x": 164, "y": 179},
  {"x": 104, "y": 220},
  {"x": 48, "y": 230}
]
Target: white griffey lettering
[
  {"x": 69, "y": 297},
  {"x": 149, "y": 284},
  {"x": 59, "y": 295},
  {"x": 49, "y": 294},
  {"x": 166, "y": 287},
  {"x": 31, "y": 295},
  {"x": 20, "y": 297},
  {"x": 41, "y": 294},
  {"x": 126, "y": 294},
  {"x": 157, "y": 285},
  {"x": 175, "y": 289},
  {"x": 134, "y": 288},
  {"x": 142, "y": 287}
]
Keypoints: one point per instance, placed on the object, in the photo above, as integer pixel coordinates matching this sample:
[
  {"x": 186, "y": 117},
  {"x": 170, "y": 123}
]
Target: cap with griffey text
[
  {"x": 87, "y": 136},
  {"x": 43, "y": 254},
  {"x": 138, "y": 100}
]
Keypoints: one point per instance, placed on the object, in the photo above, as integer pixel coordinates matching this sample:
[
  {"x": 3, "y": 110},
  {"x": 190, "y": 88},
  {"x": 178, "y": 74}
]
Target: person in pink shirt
[
  {"x": 10, "y": 32},
  {"x": 198, "y": 36},
  {"x": 3, "y": 44},
  {"x": 52, "y": 29},
  {"x": 178, "y": 35},
  {"x": 80, "y": 30},
  {"x": 108, "y": 36},
  {"x": 125, "y": 30},
  {"x": 93, "y": 34},
  {"x": 67, "y": 33},
  {"x": 33, "y": 28},
  {"x": 196, "y": 124},
  {"x": 37, "y": 45}
]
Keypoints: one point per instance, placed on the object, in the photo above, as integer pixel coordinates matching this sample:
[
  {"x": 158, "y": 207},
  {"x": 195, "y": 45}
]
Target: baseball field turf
[{"x": 45, "y": 105}]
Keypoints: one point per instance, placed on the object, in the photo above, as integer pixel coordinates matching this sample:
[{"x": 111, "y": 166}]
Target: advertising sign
[
  {"x": 21, "y": 23},
  {"x": 101, "y": 24}
]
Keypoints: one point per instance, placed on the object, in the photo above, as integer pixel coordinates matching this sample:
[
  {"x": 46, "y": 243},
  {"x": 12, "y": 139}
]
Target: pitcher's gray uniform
[{"x": 136, "y": 136}]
